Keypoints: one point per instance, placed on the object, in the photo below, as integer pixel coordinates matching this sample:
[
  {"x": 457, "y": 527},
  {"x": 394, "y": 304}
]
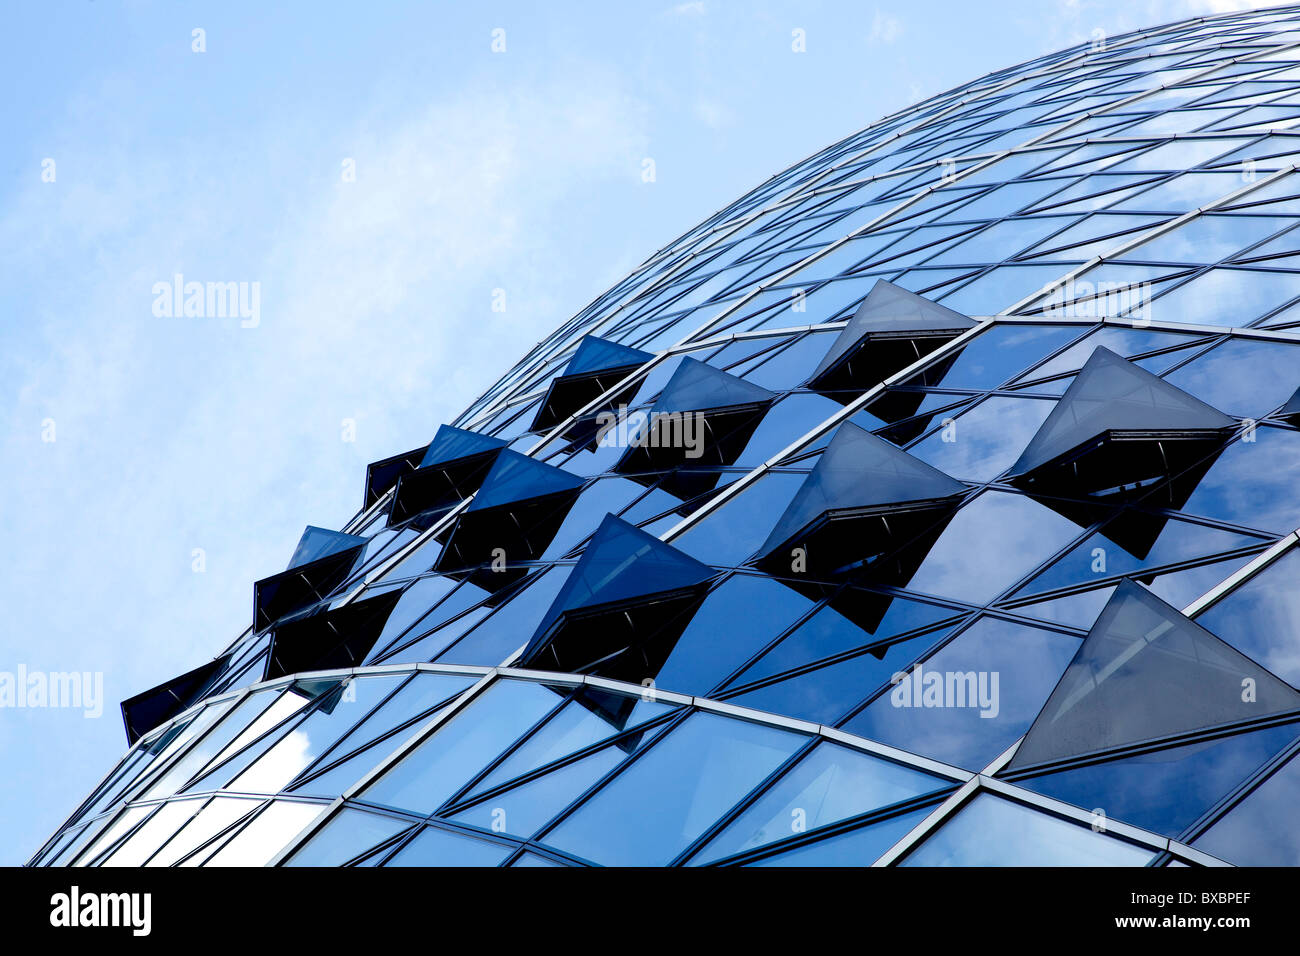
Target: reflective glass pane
[
  {"x": 990, "y": 831},
  {"x": 349, "y": 834},
  {"x": 831, "y": 784},
  {"x": 974, "y": 698},
  {"x": 860, "y": 847},
  {"x": 1259, "y": 831},
  {"x": 677, "y": 790},
  {"x": 437, "y": 847},
  {"x": 446, "y": 761}
]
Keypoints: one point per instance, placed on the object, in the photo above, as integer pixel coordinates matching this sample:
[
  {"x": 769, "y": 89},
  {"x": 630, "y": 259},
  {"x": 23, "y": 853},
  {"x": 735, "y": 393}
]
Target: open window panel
[
  {"x": 622, "y": 608},
  {"x": 597, "y": 366},
  {"x": 333, "y": 638},
  {"x": 453, "y": 467},
  {"x": 322, "y": 561},
  {"x": 382, "y": 476},
  {"x": 1146, "y": 671},
  {"x": 514, "y": 516},
  {"x": 863, "y": 498},
  {"x": 154, "y": 707},
  {"x": 1117, "y": 432},
  {"x": 702, "y": 420},
  {"x": 892, "y": 329}
]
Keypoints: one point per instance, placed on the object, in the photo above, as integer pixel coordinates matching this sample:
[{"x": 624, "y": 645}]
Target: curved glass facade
[{"x": 930, "y": 504}]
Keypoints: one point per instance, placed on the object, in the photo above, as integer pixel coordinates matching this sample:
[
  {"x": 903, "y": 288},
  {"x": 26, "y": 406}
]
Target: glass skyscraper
[{"x": 932, "y": 503}]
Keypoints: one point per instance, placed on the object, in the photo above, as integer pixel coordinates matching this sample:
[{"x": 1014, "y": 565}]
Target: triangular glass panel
[
  {"x": 524, "y": 809},
  {"x": 317, "y": 543},
  {"x": 341, "y": 637},
  {"x": 453, "y": 467},
  {"x": 595, "y": 354},
  {"x": 1146, "y": 671},
  {"x": 891, "y": 330},
  {"x": 1291, "y": 410},
  {"x": 1118, "y": 428},
  {"x": 154, "y": 707},
  {"x": 597, "y": 366},
  {"x": 322, "y": 561},
  {"x": 699, "y": 387},
  {"x": 623, "y": 591},
  {"x": 859, "y": 487},
  {"x": 382, "y": 475},
  {"x": 702, "y": 419},
  {"x": 451, "y": 444},
  {"x": 831, "y": 784},
  {"x": 513, "y": 517},
  {"x": 515, "y": 477}
]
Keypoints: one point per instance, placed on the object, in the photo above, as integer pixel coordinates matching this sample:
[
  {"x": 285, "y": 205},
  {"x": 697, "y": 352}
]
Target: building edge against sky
[{"x": 962, "y": 535}]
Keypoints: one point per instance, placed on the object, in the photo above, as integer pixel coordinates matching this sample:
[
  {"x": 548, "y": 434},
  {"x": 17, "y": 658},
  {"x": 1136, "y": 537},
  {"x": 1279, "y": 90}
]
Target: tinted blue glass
[
  {"x": 348, "y": 835},
  {"x": 317, "y": 543},
  {"x": 526, "y": 808},
  {"x": 1229, "y": 297},
  {"x": 414, "y": 604},
  {"x": 1259, "y": 831},
  {"x": 990, "y": 831},
  {"x": 829, "y": 632},
  {"x": 594, "y": 354},
  {"x": 791, "y": 365},
  {"x": 677, "y": 790},
  {"x": 608, "y": 495},
  {"x": 1262, "y": 619},
  {"x": 447, "y": 760},
  {"x": 983, "y": 442},
  {"x": 830, "y": 784},
  {"x": 498, "y": 637},
  {"x": 1250, "y": 483},
  {"x": 594, "y": 716},
  {"x": 860, "y": 847},
  {"x": 515, "y": 477},
  {"x": 996, "y": 355},
  {"x": 416, "y": 697},
  {"x": 620, "y": 563},
  {"x": 1168, "y": 790},
  {"x": 827, "y": 694},
  {"x": 1243, "y": 378},
  {"x": 700, "y": 661},
  {"x": 1098, "y": 557},
  {"x": 974, "y": 698},
  {"x": 733, "y": 533},
  {"x": 437, "y": 847},
  {"x": 302, "y": 745},
  {"x": 787, "y": 420},
  {"x": 451, "y": 443},
  {"x": 1021, "y": 532}
]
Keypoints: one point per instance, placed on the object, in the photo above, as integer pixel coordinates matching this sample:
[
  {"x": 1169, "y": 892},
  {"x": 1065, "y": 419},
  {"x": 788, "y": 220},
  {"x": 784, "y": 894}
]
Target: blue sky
[{"x": 474, "y": 171}]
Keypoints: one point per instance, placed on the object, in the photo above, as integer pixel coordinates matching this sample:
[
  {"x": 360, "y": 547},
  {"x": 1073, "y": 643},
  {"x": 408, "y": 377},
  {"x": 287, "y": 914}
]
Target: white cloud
[
  {"x": 692, "y": 9},
  {"x": 175, "y": 434},
  {"x": 885, "y": 29}
]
